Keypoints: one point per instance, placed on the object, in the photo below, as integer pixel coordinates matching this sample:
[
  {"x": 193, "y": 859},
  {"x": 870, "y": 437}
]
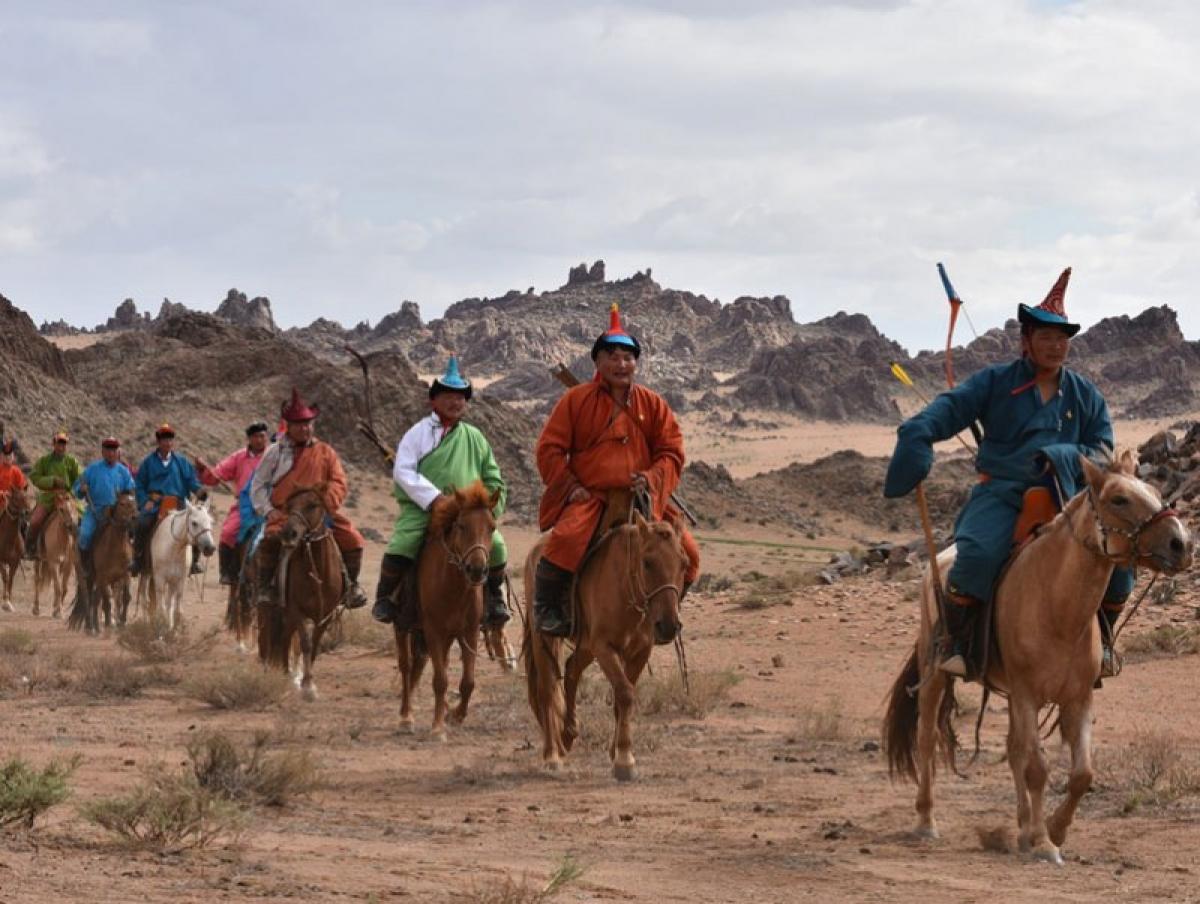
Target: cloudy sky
[{"x": 342, "y": 157}]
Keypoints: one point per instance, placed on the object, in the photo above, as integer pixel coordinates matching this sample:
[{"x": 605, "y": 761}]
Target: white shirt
[{"x": 422, "y": 438}]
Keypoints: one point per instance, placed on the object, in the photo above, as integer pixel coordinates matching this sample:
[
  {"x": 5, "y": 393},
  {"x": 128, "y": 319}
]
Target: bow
[
  {"x": 367, "y": 427},
  {"x": 956, "y": 305}
]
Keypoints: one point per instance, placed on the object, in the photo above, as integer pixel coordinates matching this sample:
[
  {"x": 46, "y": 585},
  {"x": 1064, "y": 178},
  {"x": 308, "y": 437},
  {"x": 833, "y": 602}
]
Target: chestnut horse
[
  {"x": 13, "y": 506},
  {"x": 56, "y": 551},
  {"x": 451, "y": 570},
  {"x": 1048, "y": 642},
  {"x": 627, "y": 595},
  {"x": 112, "y": 551},
  {"x": 310, "y": 584}
]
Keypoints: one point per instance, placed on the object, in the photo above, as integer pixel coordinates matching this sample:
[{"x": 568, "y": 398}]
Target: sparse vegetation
[
  {"x": 251, "y": 774},
  {"x": 243, "y": 687},
  {"x": 1164, "y": 640},
  {"x": 152, "y": 642},
  {"x": 523, "y": 891},
  {"x": 824, "y": 722},
  {"x": 356, "y": 629},
  {"x": 109, "y": 676},
  {"x": 760, "y": 591},
  {"x": 167, "y": 813},
  {"x": 666, "y": 694},
  {"x": 1153, "y": 771},
  {"x": 17, "y": 642},
  {"x": 25, "y": 792}
]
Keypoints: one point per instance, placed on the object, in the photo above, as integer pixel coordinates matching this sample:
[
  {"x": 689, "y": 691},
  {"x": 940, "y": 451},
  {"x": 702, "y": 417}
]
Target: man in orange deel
[{"x": 603, "y": 435}]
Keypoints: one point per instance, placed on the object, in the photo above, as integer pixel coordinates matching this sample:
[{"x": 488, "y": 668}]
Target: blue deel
[{"x": 104, "y": 482}]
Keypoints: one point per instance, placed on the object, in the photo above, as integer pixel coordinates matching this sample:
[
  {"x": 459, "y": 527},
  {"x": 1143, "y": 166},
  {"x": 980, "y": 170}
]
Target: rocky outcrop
[
  {"x": 254, "y": 313},
  {"x": 125, "y": 317},
  {"x": 582, "y": 276}
]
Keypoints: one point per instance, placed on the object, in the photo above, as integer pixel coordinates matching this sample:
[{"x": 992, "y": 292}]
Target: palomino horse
[
  {"x": 168, "y": 561},
  {"x": 56, "y": 551},
  {"x": 1048, "y": 646},
  {"x": 13, "y": 505},
  {"x": 627, "y": 597},
  {"x": 451, "y": 570},
  {"x": 111, "y": 554},
  {"x": 311, "y": 586}
]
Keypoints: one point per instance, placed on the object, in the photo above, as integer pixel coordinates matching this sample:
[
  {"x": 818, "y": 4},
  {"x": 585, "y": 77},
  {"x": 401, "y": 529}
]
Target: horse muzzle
[
  {"x": 1174, "y": 553},
  {"x": 666, "y": 630}
]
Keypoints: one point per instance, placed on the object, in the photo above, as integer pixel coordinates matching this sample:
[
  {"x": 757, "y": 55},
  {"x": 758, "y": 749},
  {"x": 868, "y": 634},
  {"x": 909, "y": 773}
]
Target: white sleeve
[
  {"x": 408, "y": 456},
  {"x": 262, "y": 481}
]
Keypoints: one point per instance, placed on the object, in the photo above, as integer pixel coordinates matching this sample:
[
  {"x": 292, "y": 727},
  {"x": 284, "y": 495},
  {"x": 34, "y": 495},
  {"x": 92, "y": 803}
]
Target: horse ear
[
  {"x": 1092, "y": 473},
  {"x": 1128, "y": 462},
  {"x": 643, "y": 525}
]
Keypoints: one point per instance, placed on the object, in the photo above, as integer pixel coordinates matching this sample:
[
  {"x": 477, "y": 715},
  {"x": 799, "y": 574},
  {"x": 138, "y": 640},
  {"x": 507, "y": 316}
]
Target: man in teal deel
[{"x": 1037, "y": 418}]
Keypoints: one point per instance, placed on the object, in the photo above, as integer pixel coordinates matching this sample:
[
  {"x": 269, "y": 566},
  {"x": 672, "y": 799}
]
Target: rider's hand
[
  {"x": 579, "y": 494},
  {"x": 638, "y": 483},
  {"x": 149, "y": 506}
]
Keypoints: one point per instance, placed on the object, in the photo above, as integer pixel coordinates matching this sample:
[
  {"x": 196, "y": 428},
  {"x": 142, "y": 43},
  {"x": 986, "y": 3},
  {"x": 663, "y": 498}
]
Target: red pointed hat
[
  {"x": 615, "y": 336},
  {"x": 1052, "y": 311},
  {"x": 297, "y": 410}
]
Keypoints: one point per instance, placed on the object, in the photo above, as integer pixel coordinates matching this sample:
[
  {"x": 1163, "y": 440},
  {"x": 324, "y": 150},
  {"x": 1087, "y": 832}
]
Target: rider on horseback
[
  {"x": 55, "y": 471},
  {"x": 165, "y": 480},
  {"x": 602, "y": 435},
  {"x": 1037, "y": 418},
  {"x": 237, "y": 469},
  {"x": 438, "y": 452},
  {"x": 300, "y": 460},
  {"x": 12, "y": 477},
  {"x": 99, "y": 486}
]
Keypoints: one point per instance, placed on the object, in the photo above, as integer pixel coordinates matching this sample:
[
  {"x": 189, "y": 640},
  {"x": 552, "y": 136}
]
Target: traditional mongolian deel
[
  {"x": 51, "y": 471},
  {"x": 1021, "y": 436},
  {"x": 286, "y": 468},
  {"x": 159, "y": 477},
  {"x": 429, "y": 461},
  {"x": 235, "y": 469},
  {"x": 99, "y": 486}
]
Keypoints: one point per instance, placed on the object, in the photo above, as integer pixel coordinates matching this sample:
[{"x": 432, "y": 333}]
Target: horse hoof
[
  {"x": 1048, "y": 854},
  {"x": 439, "y": 736},
  {"x": 406, "y": 726},
  {"x": 624, "y": 773},
  {"x": 925, "y": 833},
  {"x": 553, "y": 766},
  {"x": 309, "y": 693},
  {"x": 8, "y": 607}
]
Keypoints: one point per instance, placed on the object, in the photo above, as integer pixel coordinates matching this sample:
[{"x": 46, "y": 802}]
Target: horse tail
[
  {"x": 77, "y": 619},
  {"x": 900, "y": 722},
  {"x": 273, "y": 639}
]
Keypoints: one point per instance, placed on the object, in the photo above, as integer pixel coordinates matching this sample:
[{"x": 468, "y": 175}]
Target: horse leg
[
  {"x": 466, "y": 685},
  {"x": 308, "y": 649},
  {"x": 929, "y": 703},
  {"x": 404, "y": 661},
  {"x": 623, "y": 698},
  {"x": 577, "y": 664},
  {"x": 1075, "y": 720},
  {"x": 8, "y": 571},
  {"x": 1028, "y": 764},
  {"x": 439, "y": 655},
  {"x": 37, "y": 586},
  {"x": 60, "y": 585}
]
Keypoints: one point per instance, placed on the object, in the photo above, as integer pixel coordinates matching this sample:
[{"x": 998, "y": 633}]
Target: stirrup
[
  {"x": 954, "y": 665},
  {"x": 1110, "y": 662},
  {"x": 355, "y": 597},
  {"x": 552, "y": 622}
]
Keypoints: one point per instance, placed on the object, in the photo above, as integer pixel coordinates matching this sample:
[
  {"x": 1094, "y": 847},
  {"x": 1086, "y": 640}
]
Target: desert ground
[{"x": 767, "y": 783}]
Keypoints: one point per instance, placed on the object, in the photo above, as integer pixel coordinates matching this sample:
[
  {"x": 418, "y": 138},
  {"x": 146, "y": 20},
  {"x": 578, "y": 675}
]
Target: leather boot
[
  {"x": 141, "y": 534},
  {"x": 196, "y": 568},
  {"x": 1110, "y": 663},
  {"x": 352, "y": 558},
  {"x": 961, "y": 612},
  {"x": 551, "y": 599},
  {"x": 227, "y": 565},
  {"x": 266, "y": 564},
  {"x": 495, "y": 612},
  {"x": 393, "y": 571}
]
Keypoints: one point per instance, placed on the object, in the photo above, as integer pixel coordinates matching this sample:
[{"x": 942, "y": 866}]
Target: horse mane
[{"x": 473, "y": 496}]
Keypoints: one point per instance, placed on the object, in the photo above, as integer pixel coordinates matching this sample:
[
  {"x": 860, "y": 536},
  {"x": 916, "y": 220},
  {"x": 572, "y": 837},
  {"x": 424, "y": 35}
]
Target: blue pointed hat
[{"x": 451, "y": 381}]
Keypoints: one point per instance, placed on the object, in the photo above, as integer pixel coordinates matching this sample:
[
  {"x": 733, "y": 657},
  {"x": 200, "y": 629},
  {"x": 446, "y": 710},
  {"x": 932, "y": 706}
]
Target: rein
[{"x": 1133, "y": 534}]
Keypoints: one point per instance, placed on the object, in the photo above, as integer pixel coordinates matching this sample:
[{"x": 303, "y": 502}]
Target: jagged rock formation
[{"x": 254, "y": 313}]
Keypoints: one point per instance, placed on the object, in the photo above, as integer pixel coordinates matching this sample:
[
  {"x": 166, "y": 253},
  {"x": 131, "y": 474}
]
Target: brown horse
[
  {"x": 13, "y": 506},
  {"x": 239, "y": 608},
  {"x": 311, "y": 587},
  {"x": 56, "y": 551},
  {"x": 112, "y": 551},
  {"x": 451, "y": 570},
  {"x": 1048, "y": 643},
  {"x": 627, "y": 596}
]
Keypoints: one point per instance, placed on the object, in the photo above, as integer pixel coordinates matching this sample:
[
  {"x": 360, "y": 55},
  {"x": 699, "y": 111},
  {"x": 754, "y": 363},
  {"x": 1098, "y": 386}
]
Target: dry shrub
[
  {"x": 108, "y": 677},
  {"x": 25, "y": 793},
  {"x": 760, "y": 591},
  {"x": 359, "y": 629},
  {"x": 241, "y": 687},
  {"x": 666, "y": 695},
  {"x": 250, "y": 774},
  {"x": 152, "y": 642},
  {"x": 167, "y": 813},
  {"x": 1165, "y": 640},
  {"x": 1153, "y": 771},
  {"x": 31, "y": 674},
  {"x": 17, "y": 642},
  {"x": 825, "y": 722},
  {"x": 523, "y": 891}
]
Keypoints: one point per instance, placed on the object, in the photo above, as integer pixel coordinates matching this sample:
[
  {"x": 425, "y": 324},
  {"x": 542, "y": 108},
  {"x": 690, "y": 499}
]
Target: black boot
[
  {"x": 393, "y": 571},
  {"x": 961, "y": 611},
  {"x": 1110, "y": 663},
  {"x": 495, "y": 612},
  {"x": 355, "y": 599},
  {"x": 266, "y": 564},
  {"x": 196, "y": 568},
  {"x": 141, "y": 536},
  {"x": 227, "y": 565},
  {"x": 551, "y": 599}
]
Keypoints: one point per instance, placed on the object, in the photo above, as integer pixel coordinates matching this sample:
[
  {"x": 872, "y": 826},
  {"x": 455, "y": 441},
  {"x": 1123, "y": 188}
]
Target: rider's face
[
  {"x": 449, "y": 407},
  {"x": 616, "y": 367},
  {"x": 1048, "y": 347},
  {"x": 258, "y": 442},
  {"x": 110, "y": 455},
  {"x": 165, "y": 445},
  {"x": 300, "y": 432}
]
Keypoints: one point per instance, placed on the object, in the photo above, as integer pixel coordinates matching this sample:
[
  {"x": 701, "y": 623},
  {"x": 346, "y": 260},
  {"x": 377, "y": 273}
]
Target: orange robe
[
  {"x": 311, "y": 465},
  {"x": 589, "y": 442},
  {"x": 12, "y": 476}
]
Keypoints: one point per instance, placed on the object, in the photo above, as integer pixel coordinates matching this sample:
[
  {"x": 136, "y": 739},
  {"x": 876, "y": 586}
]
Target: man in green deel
[
  {"x": 54, "y": 471},
  {"x": 438, "y": 452}
]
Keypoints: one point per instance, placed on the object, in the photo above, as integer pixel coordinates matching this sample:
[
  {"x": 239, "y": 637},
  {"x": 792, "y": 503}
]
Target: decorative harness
[{"x": 1132, "y": 534}]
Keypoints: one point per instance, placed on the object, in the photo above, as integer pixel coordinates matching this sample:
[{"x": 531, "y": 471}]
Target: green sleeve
[
  {"x": 39, "y": 478},
  {"x": 489, "y": 473}
]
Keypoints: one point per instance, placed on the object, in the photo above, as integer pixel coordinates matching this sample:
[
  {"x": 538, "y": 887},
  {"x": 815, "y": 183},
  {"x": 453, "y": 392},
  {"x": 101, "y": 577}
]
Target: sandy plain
[{"x": 768, "y": 785}]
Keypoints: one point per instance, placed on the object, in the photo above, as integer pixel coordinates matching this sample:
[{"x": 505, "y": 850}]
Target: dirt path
[{"x": 779, "y": 794}]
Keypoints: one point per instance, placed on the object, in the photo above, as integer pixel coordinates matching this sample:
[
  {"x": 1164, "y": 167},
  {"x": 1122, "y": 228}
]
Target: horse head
[
  {"x": 661, "y": 569},
  {"x": 15, "y": 502},
  {"x": 124, "y": 510},
  {"x": 1131, "y": 521},
  {"x": 464, "y": 521},
  {"x": 306, "y": 513},
  {"x": 200, "y": 527}
]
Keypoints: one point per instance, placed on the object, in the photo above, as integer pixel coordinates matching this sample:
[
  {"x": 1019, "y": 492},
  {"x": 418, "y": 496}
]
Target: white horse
[{"x": 189, "y": 525}]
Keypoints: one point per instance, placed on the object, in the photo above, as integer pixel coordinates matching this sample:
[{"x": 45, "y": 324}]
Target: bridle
[
  {"x": 1132, "y": 534},
  {"x": 187, "y": 534},
  {"x": 461, "y": 560}
]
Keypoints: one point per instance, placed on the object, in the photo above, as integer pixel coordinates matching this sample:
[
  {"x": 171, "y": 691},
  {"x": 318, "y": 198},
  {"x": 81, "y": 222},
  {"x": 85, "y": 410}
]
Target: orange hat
[
  {"x": 110, "y": 442},
  {"x": 61, "y": 437},
  {"x": 164, "y": 431}
]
